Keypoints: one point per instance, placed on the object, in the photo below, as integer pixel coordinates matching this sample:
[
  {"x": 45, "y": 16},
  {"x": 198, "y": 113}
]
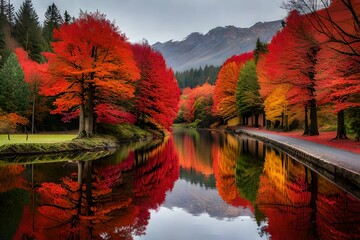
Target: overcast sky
[{"x": 163, "y": 20}]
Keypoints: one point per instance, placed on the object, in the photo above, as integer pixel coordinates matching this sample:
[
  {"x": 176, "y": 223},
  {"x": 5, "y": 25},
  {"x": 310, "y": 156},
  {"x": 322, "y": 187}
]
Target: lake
[{"x": 191, "y": 185}]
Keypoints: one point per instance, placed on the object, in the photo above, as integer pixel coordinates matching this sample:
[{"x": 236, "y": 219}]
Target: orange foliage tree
[
  {"x": 93, "y": 71},
  {"x": 225, "y": 86},
  {"x": 157, "y": 93},
  {"x": 9, "y": 122}
]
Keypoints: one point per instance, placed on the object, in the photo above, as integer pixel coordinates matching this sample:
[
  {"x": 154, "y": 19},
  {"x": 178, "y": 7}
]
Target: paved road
[{"x": 342, "y": 158}]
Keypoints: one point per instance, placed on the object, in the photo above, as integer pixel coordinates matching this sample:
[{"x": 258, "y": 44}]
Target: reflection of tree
[
  {"x": 154, "y": 178},
  {"x": 192, "y": 149},
  {"x": 249, "y": 168},
  {"x": 300, "y": 204},
  {"x": 106, "y": 201},
  {"x": 10, "y": 177},
  {"x": 284, "y": 198},
  {"x": 12, "y": 199},
  {"x": 195, "y": 177},
  {"x": 338, "y": 213},
  {"x": 224, "y": 170}
]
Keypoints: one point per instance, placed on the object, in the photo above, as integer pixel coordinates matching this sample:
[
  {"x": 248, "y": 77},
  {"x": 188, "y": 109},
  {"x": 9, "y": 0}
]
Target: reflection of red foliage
[
  {"x": 156, "y": 176},
  {"x": 301, "y": 205},
  {"x": 285, "y": 220},
  {"x": 116, "y": 205},
  {"x": 335, "y": 216},
  {"x": 191, "y": 158},
  {"x": 10, "y": 177},
  {"x": 27, "y": 230}
]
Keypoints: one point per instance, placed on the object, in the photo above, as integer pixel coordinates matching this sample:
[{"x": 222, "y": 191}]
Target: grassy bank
[
  {"x": 62, "y": 143},
  {"x": 35, "y": 138},
  {"x": 89, "y": 144}
]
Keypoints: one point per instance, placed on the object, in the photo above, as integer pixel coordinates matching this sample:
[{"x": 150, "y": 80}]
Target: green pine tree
[
  {"x": 261, "y": 48},
  {"x": 14, "y": 91},
  {"x": 67, "y": 17},
  {"x": 53, "y": 20},
  {"x": 27, "y": 31},
  {"x": 248, "y": 98},
  {"x": 10, "y": 13}
]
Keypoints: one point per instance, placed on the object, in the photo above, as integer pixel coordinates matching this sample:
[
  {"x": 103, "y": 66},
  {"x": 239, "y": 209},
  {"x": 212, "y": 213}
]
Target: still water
[{"x": 193, "y": 185}]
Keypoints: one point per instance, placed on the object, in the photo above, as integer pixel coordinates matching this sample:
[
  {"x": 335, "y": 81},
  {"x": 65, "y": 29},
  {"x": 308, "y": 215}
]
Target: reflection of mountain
[
  {"x": 195, "y": 177},
  {"x": 196, "y": 200}
]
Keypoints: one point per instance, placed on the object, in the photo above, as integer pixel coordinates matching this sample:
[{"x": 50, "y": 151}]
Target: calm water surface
[{"x": 193, "y": 185}]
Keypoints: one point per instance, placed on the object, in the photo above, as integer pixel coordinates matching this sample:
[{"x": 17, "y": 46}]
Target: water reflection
[
  {"x": 299, "y": 204},
  {"x": 97, "y": 200},
  {"x": 194, "y": 185}
]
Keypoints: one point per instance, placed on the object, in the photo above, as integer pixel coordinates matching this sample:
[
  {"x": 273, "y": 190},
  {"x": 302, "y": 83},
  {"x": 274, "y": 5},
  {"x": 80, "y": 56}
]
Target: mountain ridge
[{"x": 213, "y": 48}]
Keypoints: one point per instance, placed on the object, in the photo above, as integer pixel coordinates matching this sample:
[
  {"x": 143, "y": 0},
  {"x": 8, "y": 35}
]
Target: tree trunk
[
  {"x": 82, "y": 132},
  {"x": 264, "y": 119},
  {"x": 33, "y": 115},
  {"x": 88, "y": 170},
  {"x": 313, "y": 206},
  {"x": 341, "y": 130},
  {"x": 256, "y": 116},
  {"x": 306, "y": 121},
  {"x": 80, "y": 173},
  {"x": 90, "y": 112},
  {"x": 89, "y": 121},
  {"x": 313, "y": 119}
]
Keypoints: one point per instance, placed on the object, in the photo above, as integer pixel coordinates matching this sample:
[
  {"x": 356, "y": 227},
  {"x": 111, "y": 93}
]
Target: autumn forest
[{"x": 83, "y": 71}]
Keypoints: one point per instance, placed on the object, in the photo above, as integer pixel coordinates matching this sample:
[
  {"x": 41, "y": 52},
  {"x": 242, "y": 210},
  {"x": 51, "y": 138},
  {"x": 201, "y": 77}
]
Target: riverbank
[
  {"x": 74, "y": 145},
  {"x": 110, "y": 138},
  {"x": 325, "y": 138}
]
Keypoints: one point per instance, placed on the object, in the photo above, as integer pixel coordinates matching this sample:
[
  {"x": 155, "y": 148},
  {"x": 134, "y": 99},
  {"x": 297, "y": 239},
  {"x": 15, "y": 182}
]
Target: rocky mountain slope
[{"x": 216, "y": 46}]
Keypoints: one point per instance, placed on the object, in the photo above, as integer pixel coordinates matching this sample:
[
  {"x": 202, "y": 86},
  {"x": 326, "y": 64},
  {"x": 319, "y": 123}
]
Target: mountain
[{"x": 216, "y": 46}]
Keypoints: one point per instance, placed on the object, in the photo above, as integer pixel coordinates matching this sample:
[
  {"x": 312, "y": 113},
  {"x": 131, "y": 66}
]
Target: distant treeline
[{"x": 195, "y": 77}]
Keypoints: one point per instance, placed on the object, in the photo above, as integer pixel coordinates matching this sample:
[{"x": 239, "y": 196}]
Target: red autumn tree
[
  {"x": 336, "y": 88},
  {"x": 225, "y": 87},
  {"x": 338, "y": 67},
  {"x": 199, "y": 103},
  {"x": 291, "y": 60},
  {"x": 157, "y": 93},
  {"x": 336, "y": 21},
  {"x": 92, "y": 71}
]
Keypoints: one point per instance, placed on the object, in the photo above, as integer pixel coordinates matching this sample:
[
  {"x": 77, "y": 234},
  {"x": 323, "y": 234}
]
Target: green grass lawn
[{"x": 35, "y": 138}]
